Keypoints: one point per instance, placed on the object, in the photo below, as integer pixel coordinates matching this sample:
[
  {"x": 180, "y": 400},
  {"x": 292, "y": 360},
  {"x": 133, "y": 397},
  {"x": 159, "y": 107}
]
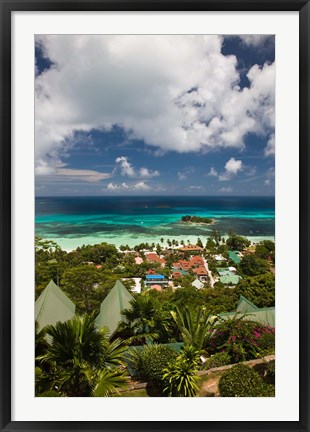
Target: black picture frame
[{"x": 7, "y": 7}]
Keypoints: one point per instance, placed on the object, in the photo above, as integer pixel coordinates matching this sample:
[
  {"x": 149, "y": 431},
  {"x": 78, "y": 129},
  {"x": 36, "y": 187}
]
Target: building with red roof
[{"x": 153, "y": 257}]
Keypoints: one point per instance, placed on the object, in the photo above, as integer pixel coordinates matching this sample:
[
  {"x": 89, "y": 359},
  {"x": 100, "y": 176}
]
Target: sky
[{"x": 154, "y": 115}]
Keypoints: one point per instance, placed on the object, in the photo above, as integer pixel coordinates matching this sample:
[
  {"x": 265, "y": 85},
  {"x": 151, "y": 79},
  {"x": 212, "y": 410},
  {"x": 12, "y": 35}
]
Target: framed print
[{"x": 154, "y": 204}]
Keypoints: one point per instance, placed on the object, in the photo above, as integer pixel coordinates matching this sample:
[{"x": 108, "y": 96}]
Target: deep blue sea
[{"x": 73, "y": 221}]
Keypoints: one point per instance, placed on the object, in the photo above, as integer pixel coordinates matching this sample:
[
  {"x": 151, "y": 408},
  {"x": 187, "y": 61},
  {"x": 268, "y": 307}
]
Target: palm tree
[
  {"x": 144, "y": 321},
  {"x": 194, "y": 326},
  {"x": 83, "y": 362}
]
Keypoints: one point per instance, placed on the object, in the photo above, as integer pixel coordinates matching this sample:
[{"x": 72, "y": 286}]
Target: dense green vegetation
[
  {"x": 196, "y": 219},
  {"x": 76, "y": 359},
  {"x": 242, "y": 381},
  {"x": 79, "y": 360}
]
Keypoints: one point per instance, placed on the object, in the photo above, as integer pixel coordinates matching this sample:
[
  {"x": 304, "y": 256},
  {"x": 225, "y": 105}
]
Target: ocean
[{"x": 74, "y": 221}]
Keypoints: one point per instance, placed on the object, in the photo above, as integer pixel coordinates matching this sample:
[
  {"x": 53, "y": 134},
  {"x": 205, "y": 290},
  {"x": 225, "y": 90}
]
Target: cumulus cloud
[
  {"x": 126, "y": 167},
  {"x": 128, "y": 170},
  {"x": 270, "y": 148},
  {"x": 185, "y": 173},
  {"x": 226, "y": 189},
  {"x": 140, "y": 186},
  {"x": 196, "y": 187},
  {"x": 232, "y": 167},
  {"x": 146, "y": 173},
  {"x": 269, "y": 176},
  {"x": 173, "y": 92},
  {"x": 254, "y": 40},
  {"x": 213, "y": 172}
]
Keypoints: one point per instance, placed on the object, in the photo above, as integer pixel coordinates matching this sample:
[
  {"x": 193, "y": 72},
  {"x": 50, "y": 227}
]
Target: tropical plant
[
  {"x": 260, "y": 289},
  {"x": 251, "y": 265},
  {"x": 237, "y": 242},
  {"x": 194, "y": 326},
  {"x": 217, "y": 360},
  {"x": 242, "y": 381},
  {"x": 82, "y": 361},
  {"x": 181, "y": 375},
  {"x": 79, "y": 283},
  {"x": 145, "y": 321},
  {"x": 239, "y": 338},
  {"x": 148, "y": 364}
]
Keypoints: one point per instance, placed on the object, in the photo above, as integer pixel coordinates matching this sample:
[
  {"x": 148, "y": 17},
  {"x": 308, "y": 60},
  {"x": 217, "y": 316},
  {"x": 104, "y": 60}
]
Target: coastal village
[
  {"x": 155, "y": 257},
  {"x": 214, "y": 271}
]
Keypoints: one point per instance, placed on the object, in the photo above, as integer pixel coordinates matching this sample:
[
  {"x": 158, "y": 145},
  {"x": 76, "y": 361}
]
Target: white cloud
[
  {"x": 126, "y": 167},
  {"x": 232, "y": 167},
  {"x": 254, "y": 40},
  {"x": 269, "y": 179},
  {"x": 270, "y": 148},
  {"x": 114, "y": 187},
  {"x": 227, "y": 190},
  {"x": 146, "y": 173},
  {"x": 196, "y": 187},
  {"x": 84, "y": 175},
  {"x": 140, "y": 186},
  {"x": 174, "y": 92},
  {"x": 213, "y": 172},
  {"x": 185, "y": 173},
  {"x": 251, "y": 171},
  {"x": 128, "y": 170}
]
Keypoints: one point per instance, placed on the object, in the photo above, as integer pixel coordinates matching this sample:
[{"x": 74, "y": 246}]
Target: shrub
[
  {"x": 266, "y": 342},
  {"x": 217, "y": 360},
  {"x": 241, "y": 339},
  {"x": 242, "y": 381},
  {"x": 148, "y": 365},
  {"x": 266, "y": 371}
]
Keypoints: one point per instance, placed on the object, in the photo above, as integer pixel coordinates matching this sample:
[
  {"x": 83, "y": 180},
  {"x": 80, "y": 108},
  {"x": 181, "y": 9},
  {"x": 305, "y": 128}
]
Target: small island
[{"x": 197, "y": 219}]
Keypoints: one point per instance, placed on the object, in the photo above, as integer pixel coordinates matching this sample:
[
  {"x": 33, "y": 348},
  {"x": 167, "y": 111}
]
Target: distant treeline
[{"x": 196, "y": 219}]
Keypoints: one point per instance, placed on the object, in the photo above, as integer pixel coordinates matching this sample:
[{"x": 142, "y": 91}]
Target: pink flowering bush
[{"x": 242, "y": 340}]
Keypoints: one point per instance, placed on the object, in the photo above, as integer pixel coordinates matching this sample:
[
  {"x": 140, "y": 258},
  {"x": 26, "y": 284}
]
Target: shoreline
[{"x": 70, "y": 244}]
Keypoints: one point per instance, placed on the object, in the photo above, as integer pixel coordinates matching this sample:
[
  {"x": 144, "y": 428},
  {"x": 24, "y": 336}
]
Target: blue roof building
[{"x": 155, "y": 279}]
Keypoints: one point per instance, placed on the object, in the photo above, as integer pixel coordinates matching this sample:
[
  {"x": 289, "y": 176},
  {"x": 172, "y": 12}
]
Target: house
[
  {"x": 230, "y": 279},
  {"x": 53, "y": 306},
  {"x": 151, "y": 271},
  {"x": 157, "y": 279},
  {"x": 201, "y": 272},
  {"x": 219, "y": 258},
  {"x": 110, "y": 315},
  {"x": 197, "y": 284},
  {"x": 196, "y": 261},
  {"x": 152, "y": 257},
  {"x": 178, "y": 273},
  {"x": 182, "y": 265},
  {"x": 156, "y": 287},
  {"x": 191, "y": 248},
  {"x": 138, "y": 260},
  {"x": 234, "y": 256}
]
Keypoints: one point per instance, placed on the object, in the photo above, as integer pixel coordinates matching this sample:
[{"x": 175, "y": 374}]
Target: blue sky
[{"x": 155, "y": 115}]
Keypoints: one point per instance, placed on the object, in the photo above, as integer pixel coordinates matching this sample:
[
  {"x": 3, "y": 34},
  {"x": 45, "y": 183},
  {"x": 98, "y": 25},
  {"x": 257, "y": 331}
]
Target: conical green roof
[
  {"x": 245, "y": 305},
  {"x": 248, "y": 311},
  {"x": 52, "y": 306},
  {"x": 119, "y": 298}
]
